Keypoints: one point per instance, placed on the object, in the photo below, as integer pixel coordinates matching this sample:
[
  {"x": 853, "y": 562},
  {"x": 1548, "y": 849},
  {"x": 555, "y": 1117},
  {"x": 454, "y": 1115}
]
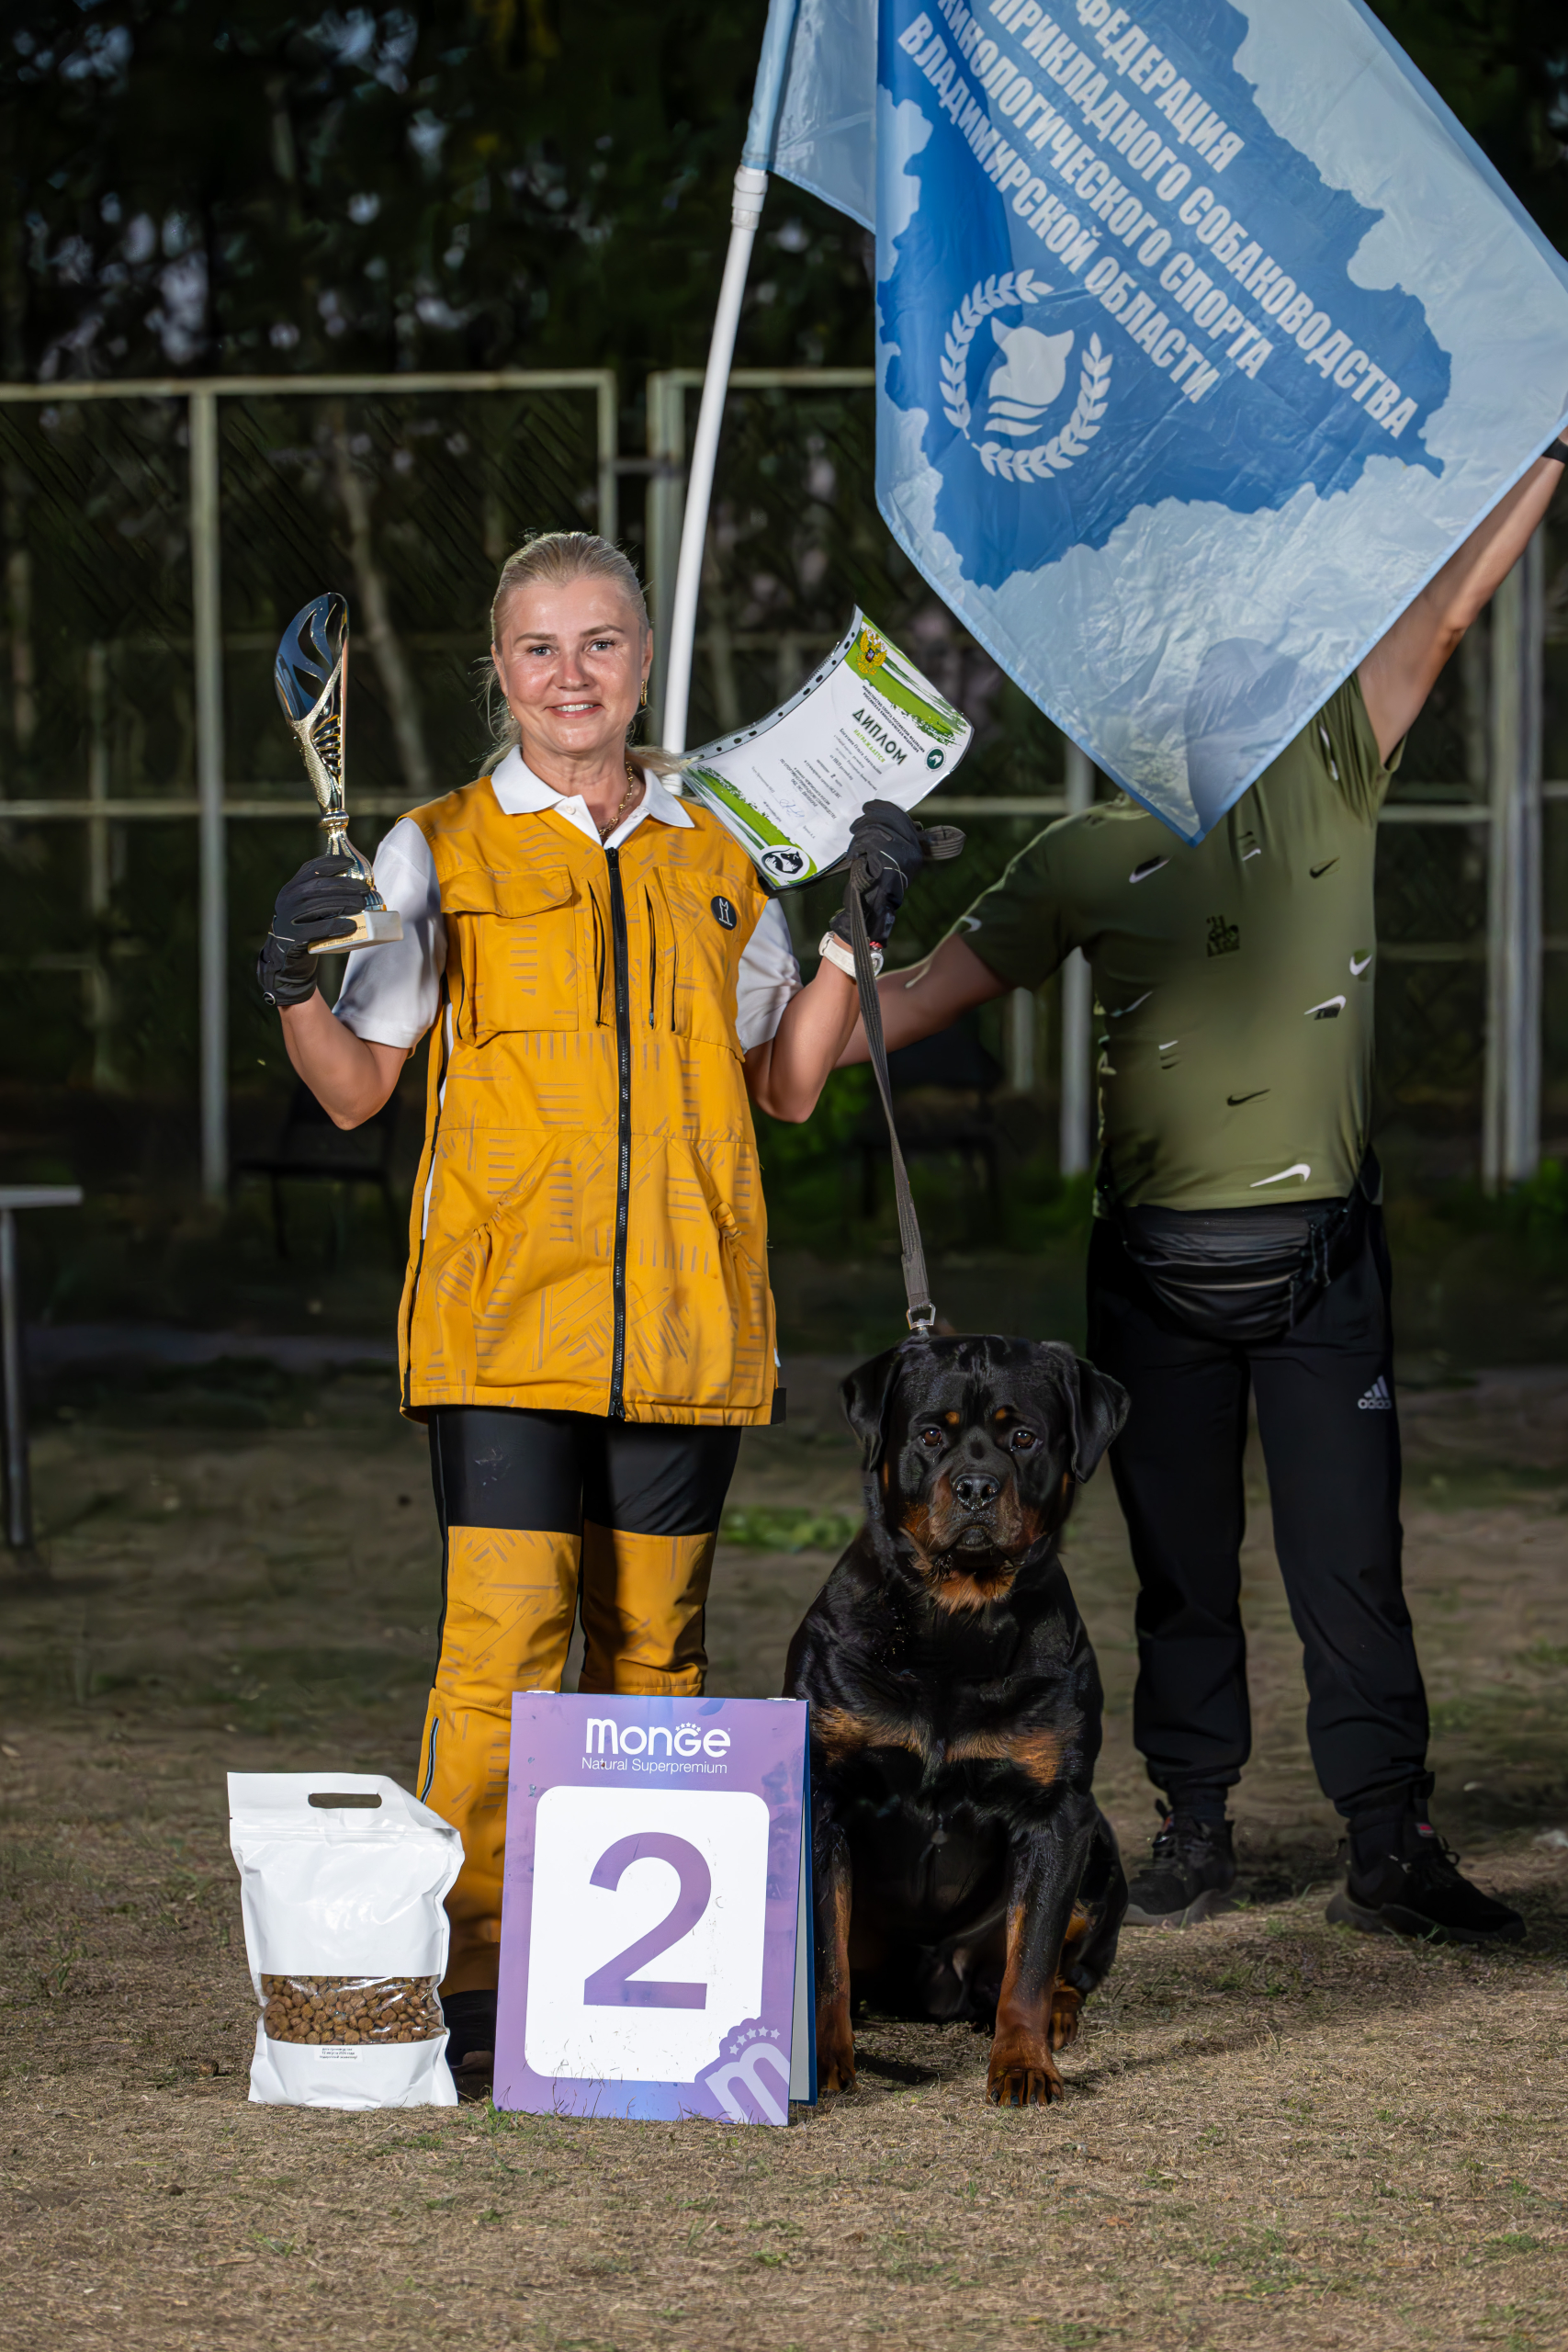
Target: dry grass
[{"x": 1277, "y": 2132}]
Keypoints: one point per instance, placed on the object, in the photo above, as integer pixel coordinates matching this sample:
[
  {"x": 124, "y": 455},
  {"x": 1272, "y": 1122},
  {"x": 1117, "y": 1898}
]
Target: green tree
[
  {"x": 237, "y": 184},
  {"x": 232, "y": 184}
]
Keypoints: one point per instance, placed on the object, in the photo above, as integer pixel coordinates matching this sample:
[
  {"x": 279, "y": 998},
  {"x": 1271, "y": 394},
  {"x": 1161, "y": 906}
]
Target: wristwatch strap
[
  {"x": 1559, "y": 449},
  {"x": 837, "y": 952}
]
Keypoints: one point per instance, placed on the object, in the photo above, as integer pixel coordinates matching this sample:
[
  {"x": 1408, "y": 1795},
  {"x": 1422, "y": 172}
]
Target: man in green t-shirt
[{"x": 1237, "y": 1244}]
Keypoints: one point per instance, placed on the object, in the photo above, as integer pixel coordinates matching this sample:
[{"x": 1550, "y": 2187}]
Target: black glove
[
  {"x": 892, "y": 847},
  {"x": 321, "y": 903}
]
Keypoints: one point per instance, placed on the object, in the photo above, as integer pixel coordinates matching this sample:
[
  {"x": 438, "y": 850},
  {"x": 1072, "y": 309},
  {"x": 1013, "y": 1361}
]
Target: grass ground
[{"x": 1277, "y": 2133}]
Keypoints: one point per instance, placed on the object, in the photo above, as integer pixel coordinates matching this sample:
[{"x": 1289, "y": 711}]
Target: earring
[{"x": 643, "y": 704}]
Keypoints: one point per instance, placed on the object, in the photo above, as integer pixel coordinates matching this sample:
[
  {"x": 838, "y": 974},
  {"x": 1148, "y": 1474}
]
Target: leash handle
[{"x": 941, "y": 840}]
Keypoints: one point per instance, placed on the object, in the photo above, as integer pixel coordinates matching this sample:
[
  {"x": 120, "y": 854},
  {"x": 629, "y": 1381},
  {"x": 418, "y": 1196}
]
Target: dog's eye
[
  {"x": 1021, "y": 1440},
  {"x": 930, "y": 1439}
]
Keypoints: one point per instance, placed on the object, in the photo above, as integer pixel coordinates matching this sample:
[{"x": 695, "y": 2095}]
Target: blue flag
[{"x": 1205, "y": 335}]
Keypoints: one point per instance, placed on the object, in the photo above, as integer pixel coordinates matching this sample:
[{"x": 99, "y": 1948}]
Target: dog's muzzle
[{"x": 974, "y": 1523}]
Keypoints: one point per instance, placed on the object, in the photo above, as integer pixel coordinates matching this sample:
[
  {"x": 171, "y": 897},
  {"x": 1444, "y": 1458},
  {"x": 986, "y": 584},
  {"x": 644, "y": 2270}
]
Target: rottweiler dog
[{"x": 962, "y": 1867}]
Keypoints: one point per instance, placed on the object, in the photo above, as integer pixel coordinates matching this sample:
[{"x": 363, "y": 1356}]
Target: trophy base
[{"x": 374, "y": 928}]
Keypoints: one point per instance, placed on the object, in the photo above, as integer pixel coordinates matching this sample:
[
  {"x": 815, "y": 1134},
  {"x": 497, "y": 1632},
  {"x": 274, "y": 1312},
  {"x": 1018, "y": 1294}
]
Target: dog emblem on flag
[{"x": 1023, "y": 393}]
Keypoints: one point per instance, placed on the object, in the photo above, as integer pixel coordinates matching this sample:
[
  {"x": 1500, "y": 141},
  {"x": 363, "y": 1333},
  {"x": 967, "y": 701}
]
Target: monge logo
[{"x": 606, "y": 1737}]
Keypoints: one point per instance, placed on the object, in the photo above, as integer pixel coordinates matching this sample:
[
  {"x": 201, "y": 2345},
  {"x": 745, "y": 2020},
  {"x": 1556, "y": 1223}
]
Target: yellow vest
[{"x": 595, "y": 1239}]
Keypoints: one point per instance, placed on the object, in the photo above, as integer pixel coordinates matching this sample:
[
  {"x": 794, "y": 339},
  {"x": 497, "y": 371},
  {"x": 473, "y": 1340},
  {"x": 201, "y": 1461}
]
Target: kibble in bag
[{"x": 343, "y": 1881}]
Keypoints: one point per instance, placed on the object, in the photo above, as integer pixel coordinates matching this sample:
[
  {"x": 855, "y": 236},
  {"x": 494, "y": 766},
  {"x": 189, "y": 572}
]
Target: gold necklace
[{"x": 633, "y": 785}]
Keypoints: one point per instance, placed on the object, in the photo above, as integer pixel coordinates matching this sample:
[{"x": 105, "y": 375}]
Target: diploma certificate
[{"x": 866, "y": 726}]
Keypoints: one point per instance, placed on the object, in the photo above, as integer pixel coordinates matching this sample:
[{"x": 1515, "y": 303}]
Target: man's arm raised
[
  {"x": 1402, "y": 668},
  {"x": 926, "y": 997}
]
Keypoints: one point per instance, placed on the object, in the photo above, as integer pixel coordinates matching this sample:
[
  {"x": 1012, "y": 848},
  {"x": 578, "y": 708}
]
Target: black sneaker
[
  {"x": 1189, "y": 1875},
  {"x": 1419, "y": 1890}
]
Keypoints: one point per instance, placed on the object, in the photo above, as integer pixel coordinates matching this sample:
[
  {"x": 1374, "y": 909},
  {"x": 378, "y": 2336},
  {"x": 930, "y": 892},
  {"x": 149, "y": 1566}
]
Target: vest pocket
[
  {"x": 705, "y": 959},
  {"x": 698, "y": 1327},
  {"x": 520, "y": 937}
]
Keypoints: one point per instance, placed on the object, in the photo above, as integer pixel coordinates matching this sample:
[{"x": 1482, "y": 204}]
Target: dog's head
[{"x": 974, "y": 1449}]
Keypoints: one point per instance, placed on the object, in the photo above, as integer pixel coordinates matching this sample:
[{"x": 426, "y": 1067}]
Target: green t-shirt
[{"x": 1232, "y": 981}]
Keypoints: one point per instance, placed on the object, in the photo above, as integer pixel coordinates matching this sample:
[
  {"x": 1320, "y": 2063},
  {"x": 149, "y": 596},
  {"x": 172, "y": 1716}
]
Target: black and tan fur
[{"x": 962, "y": 1867}]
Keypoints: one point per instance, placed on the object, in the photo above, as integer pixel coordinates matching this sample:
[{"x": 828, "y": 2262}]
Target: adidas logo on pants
[{"x": 1377, "y": 1398}]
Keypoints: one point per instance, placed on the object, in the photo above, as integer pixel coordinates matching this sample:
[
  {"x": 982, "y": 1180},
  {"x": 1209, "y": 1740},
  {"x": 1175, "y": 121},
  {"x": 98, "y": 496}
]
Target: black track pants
[{"x": 1330, "y": 1437}]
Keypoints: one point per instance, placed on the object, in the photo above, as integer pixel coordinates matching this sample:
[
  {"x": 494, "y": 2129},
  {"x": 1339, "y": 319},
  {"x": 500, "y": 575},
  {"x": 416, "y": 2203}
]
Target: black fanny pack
[{"x": 1246, "y": 1275}]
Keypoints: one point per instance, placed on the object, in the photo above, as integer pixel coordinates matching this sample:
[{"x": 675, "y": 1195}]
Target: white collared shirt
[{"x": 390, "y": 994}]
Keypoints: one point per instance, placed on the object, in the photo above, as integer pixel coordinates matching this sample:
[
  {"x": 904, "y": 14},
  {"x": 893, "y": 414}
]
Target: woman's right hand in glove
[{"x": 321, "y": 903}]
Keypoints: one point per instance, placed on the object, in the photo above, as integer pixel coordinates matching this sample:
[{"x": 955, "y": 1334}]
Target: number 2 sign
[{"x": 656, "y": 1938}]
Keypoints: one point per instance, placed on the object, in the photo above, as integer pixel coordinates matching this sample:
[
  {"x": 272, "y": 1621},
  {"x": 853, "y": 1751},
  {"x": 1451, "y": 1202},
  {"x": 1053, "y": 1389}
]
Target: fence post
[
  {"x": 1511, "y": 1136},
  {"x": 101, "y": 876},
  {"x": 1021, "y": 1041},
  {"x": 666, "y": 497},
  {"x": 207, "y": 629},
  {"x": 607, "y": 416},
  {"x": 1077, "y": 1003}
]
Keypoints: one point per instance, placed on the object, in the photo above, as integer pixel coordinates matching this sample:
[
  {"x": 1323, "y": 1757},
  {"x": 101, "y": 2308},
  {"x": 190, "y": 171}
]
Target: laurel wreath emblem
[{"x": 1003, "y": 292}]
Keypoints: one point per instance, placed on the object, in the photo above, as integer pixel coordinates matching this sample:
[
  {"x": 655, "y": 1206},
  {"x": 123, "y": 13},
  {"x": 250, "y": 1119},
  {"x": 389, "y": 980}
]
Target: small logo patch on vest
[{"x": 724, "y": 914}]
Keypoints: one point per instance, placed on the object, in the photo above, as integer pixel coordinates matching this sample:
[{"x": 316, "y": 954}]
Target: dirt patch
[{"x": 1276, "y": 2132}]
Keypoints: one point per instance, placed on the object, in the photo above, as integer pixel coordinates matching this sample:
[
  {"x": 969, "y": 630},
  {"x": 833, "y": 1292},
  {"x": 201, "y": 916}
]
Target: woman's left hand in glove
[{"x": 885, "y": 841}]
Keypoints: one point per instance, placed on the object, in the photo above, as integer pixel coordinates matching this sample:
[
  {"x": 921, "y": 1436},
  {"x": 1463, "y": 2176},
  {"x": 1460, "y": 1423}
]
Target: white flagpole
[
  {"x": 746, "y": 214},
  {"x": 745, "y": 218}
]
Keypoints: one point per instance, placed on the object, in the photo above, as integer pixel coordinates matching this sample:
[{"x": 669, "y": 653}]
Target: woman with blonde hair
[{"x": 586, "y": 1324}]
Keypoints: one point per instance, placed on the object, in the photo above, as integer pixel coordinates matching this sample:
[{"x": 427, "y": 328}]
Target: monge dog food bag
[{"x": 343, "y": 1881}]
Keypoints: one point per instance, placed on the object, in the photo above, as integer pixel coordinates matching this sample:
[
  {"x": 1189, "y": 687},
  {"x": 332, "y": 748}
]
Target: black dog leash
[{"x": 941, "y": 840}]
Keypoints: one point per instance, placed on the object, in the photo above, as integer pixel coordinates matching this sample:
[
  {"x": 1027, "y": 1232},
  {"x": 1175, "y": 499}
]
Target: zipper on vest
[
  {"x": 652, "y": 962},
  {"x": 598, "y": 960},
  {"x": 624, "y": 1158}
]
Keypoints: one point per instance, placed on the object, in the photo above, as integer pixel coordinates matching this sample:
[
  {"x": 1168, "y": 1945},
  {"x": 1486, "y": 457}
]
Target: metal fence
[{"x": 157, "y": 536}]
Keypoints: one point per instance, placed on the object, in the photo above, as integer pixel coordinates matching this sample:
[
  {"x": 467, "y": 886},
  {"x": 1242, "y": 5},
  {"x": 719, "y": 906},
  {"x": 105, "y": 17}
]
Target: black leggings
[
  {"x": 496, "y": 1468},
  {"x": 1330, "y": 1435}
]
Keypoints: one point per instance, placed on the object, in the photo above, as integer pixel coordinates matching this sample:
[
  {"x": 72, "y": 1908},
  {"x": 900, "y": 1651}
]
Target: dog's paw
[
  {"x": 836, "y": 2074},
  {"x": 1022, "y": 2076},
  {"x": 835, "y": 2049},
  {"x": 1066, "y": 2006}
]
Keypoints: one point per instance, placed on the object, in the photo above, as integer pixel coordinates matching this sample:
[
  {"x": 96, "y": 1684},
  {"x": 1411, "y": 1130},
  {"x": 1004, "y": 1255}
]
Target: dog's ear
[
  {"x": 865, "y": 1394},
  {"x": 1097, "y": 1406}
]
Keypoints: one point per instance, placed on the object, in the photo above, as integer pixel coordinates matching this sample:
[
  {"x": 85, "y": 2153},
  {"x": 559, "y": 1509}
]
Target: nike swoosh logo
[
  {"x": 1234, "y": 1100},
  {"x": 1317, "y": 870},
  {"x": 1250, "y": 852},
  {"x": 1119, "y": 1012},
  {"x": 1356, "y": 969},
  {"x": 1329, "y": 1009},
  {"x": 1150, "y": 866},
  {"x": 1300, "y": 1168}
]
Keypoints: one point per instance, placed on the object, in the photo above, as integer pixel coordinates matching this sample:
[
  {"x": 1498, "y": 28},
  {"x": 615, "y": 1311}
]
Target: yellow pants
[{"x": 512, "y": 1598}]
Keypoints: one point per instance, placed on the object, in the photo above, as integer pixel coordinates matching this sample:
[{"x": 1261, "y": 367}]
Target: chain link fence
[{"x": 408, "y": 493}]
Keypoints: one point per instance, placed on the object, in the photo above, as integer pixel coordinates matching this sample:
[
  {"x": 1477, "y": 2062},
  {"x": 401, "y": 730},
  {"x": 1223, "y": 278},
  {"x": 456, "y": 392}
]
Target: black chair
[
  {"x": 943, "y": 1087},
  {"x": 310, "y": 1147}
]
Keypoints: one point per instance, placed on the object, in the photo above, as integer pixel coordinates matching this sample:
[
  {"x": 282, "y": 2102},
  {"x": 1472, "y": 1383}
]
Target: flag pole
[{"x": 745, "y": 219}]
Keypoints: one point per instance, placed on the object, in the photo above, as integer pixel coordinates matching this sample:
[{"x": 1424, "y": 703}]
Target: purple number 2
[{"x": 610, "y": 1987}]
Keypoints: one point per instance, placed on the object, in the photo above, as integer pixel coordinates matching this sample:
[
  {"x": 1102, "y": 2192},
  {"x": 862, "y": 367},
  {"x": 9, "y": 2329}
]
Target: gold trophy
[{"x": 312, "y": 676}]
